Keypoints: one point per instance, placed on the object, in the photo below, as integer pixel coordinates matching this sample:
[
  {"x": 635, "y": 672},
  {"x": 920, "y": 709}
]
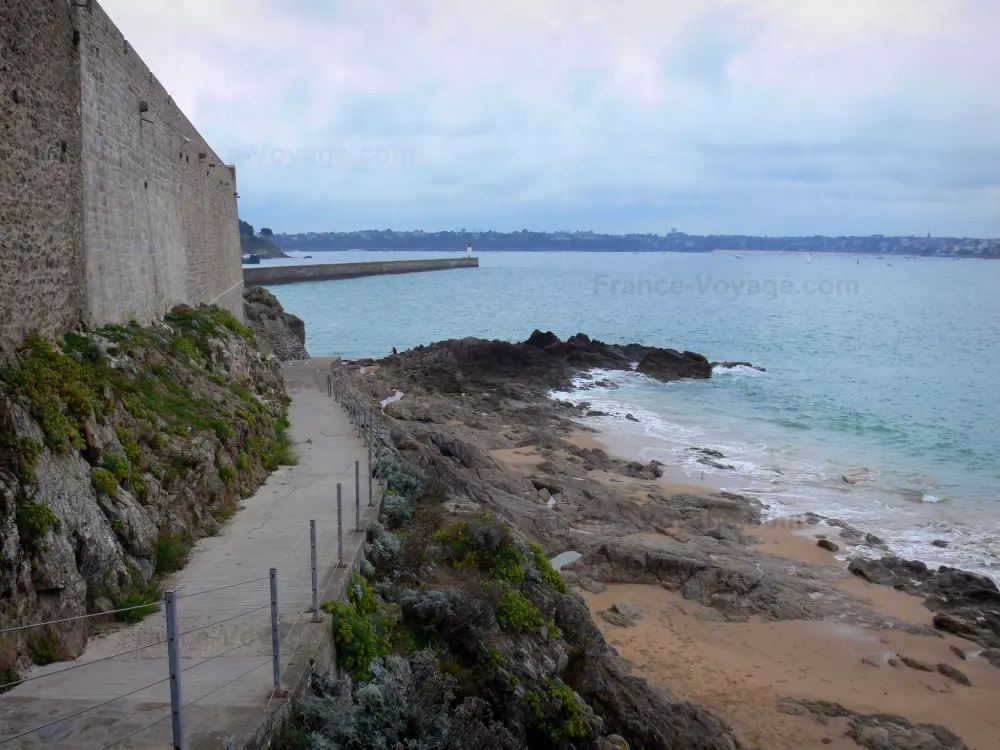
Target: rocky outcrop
[
  {"x": 543, "y": 361},
  {"x": 878, "y": 731},
  {"x": 647, "y": 717},
  {"x": 120, "y": 448},
  {"x": 668, "y": 364},
  {"x": 966, "y": 604},
  {"x": 729, "y": 582},
  {"x": 280, "y": 332}
]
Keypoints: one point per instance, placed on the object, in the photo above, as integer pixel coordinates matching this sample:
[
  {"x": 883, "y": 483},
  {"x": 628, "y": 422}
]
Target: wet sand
[{"x": 742, "y": 670}]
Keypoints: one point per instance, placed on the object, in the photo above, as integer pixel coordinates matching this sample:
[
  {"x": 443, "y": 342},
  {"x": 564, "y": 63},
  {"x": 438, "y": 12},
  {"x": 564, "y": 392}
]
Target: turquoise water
[{"x": 890, "y": 368}]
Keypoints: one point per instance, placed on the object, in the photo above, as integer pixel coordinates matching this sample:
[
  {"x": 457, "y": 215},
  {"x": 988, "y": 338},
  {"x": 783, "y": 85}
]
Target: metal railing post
[
  {"x": 315, "y": 571},
  {"x": 357, "y": 496},
  {"x": 275, "y": 632},
  {"x": 371, "y": 450},
  {"x": 340, "y": 531},
  {"x": 174, "y": 664}
]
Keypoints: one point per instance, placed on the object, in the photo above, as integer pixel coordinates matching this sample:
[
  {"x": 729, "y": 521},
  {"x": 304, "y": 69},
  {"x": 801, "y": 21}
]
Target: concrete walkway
[{"x": 230, "y": 693}]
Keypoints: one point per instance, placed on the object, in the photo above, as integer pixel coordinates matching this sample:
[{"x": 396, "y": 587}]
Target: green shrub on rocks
[
  {"x": 18, "y": 455},
  {"x": 44, "y": 647},
  {"x": 171, "y": 552},
  {"x": 361, "y": 628},
  {"x": 406, "y": 702},
  {"x": 550, "y": 576},
  {"x": 34, "y": 521},
  {"x": 105, "y": 482},
  {"x": 8, "y": 665},
  {"x": 516, "y": 612},
  {"x": 142, "y": 600}
]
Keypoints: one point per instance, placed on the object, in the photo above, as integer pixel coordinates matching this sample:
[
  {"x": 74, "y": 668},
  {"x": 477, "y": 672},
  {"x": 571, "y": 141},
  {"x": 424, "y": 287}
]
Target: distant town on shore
[{"x": 674, "y": 241}]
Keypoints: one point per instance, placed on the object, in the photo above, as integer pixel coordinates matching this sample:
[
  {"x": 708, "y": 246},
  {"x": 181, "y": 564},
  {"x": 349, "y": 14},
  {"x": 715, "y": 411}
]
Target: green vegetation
[
  {"x": 34, "y": 521},
  {"x": 282, "y": 452},
  {"x": 44, "y": 647},
  {"x": 105, "y": 482},
  {"x": 549, "y": 574},
  {"x": 516, "y": 612},
  {"x": 18, "y": 455},
  {"x": 484, "y": 543},
  {"x": 569, "y": 722},
  {"x": 361, "y": 628},
  {"x": 143, "y": 599},
  {"x": 171, "y": 552},
  {"x": 8, "y": 665},
  {"x": 228, "y": 475}
]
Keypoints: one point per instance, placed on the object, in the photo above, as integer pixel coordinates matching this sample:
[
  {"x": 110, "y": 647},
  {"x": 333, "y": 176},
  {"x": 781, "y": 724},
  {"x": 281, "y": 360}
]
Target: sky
[{"x": 778, "y": 117}]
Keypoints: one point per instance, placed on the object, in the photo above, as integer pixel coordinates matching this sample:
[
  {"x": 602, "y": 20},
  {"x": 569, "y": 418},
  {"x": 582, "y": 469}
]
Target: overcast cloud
[{"x": 712, "y": 116}]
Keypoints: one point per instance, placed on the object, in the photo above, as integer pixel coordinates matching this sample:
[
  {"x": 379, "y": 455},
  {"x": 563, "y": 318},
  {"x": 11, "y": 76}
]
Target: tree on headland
[
  {"x": 246, "y": 230},
  {"x": 265, "y": 232}
]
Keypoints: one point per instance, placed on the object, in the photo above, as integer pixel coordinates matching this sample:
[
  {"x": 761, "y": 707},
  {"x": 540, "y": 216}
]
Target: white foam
[
  {"x": 391, "y": 399},
  {"x": 741, "y": 371}
]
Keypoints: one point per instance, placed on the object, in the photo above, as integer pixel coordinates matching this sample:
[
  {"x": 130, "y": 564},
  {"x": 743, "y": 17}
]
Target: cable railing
[{"x": 304, "y": 586}]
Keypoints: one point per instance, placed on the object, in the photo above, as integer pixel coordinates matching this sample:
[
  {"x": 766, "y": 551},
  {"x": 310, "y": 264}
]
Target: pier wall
[{"x": 267, "y": 275}]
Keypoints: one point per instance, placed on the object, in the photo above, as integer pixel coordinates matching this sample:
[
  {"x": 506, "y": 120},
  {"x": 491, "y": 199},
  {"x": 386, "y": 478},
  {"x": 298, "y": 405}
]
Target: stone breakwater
[{"x": 260, "y": 275}]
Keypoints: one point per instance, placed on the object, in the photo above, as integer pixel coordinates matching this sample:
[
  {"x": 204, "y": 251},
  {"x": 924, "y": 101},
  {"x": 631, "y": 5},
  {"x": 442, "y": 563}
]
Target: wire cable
[
  {"x": 81, "y": 617},
  {"x": 219, "y": 622},
  {"x": 82, "y": 711},
  {"x": 135, "y": 732},
  {"x": 226, "y": 684},
  {"x": 81, "y": 664},
  {"x": 220, "y": 588}
]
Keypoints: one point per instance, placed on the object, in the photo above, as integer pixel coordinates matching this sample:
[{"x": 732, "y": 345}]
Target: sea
[{"x": 881, "y": 370}]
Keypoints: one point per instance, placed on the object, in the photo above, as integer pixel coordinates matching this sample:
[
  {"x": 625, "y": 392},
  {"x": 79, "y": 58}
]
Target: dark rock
[
  {"x": 643, "y": 716},
  {"x": 716, "y": 464},
  {"x": 708, "y": 452},
  {"x": 280, "y": 332},
  {"x": 951, "y": 672},
  {"x": 597, "y": 413},
  {"x": 967, "y": 604},
  {"x": 958, "y": 652},
  {"x": 827, "y": 545},
  {"x": 631, "y": 418},
  {"x": 920, "y": 666},
  {"x": 879, "y": 731},
  {"x": 939, "y": 543},
  {"x": 617, "y": 618},
  {"x": 669, "y": 364},
  {"x": 873, "y": 541},
  {"x": 730, "y": 365},
  {"x": 628, "y": 609}
]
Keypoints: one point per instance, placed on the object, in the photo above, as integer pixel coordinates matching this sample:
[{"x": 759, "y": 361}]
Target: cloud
[{"x": 754, "y": 116}]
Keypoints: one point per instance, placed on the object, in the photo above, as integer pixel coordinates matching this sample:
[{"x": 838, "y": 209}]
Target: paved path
[{"x": 271, "y": 530}]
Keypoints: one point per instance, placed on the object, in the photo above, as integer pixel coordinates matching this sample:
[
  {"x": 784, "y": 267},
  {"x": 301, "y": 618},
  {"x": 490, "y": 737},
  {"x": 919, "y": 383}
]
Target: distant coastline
[{"x": 524, "y": 241}]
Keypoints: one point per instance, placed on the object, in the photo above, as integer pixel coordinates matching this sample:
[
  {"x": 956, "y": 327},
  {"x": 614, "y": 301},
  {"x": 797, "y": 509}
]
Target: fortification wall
[
  {"x": 160, "y": 216},
  {"x": 109, "y": 211},
  {"x": 41, "y": 244}
]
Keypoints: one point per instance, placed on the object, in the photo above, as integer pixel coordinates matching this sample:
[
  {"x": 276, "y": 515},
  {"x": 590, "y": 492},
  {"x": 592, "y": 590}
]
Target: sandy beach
[{"x": 745, "y": 671}]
